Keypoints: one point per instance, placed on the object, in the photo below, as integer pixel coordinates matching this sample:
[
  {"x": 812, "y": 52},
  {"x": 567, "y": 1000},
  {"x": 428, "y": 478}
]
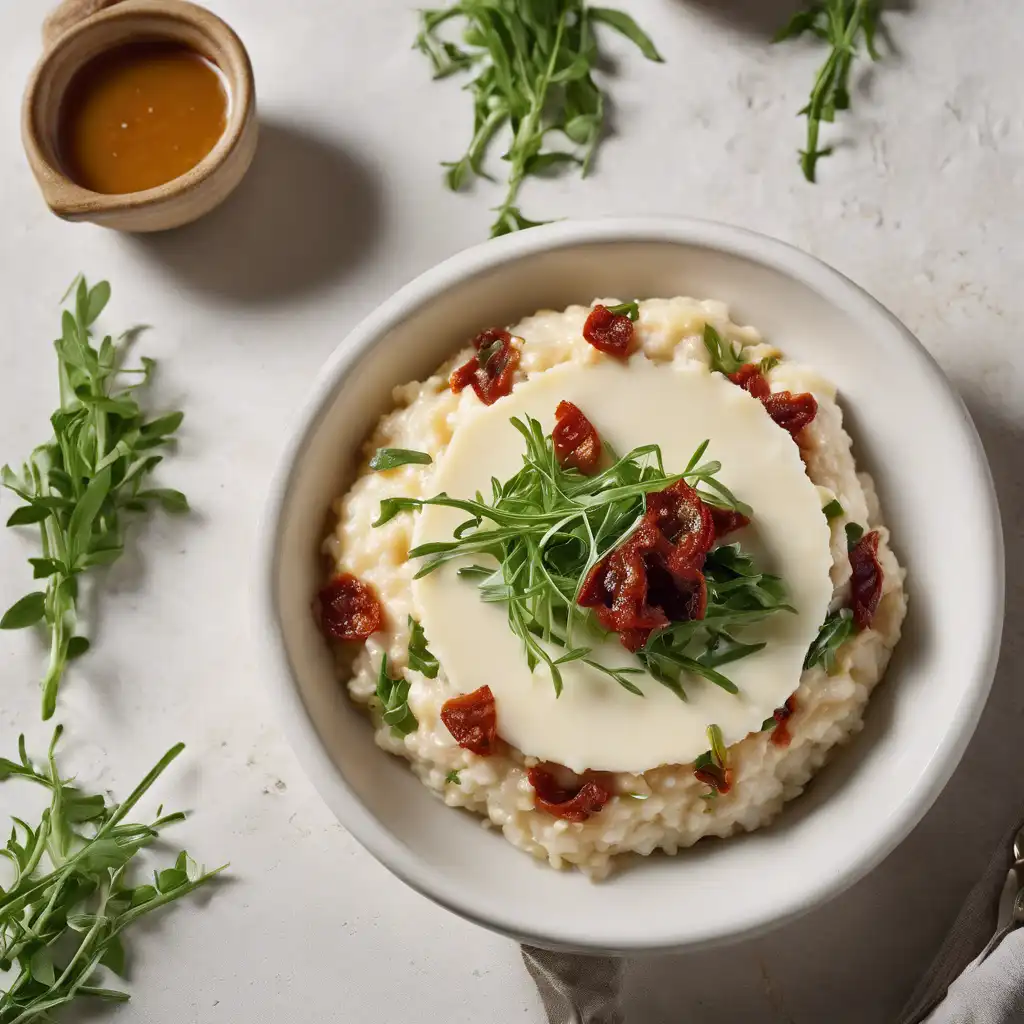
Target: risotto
[{"x": 610, "y": 579}]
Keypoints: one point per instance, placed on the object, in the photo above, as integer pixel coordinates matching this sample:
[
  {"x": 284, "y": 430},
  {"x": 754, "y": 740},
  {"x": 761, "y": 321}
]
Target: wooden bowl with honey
[{"x": 141, "y": 117}]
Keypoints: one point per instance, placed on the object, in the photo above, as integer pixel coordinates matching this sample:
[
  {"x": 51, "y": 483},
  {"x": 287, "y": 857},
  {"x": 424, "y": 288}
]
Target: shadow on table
[
  {"x": 306, "y": 213},
  {"x": 858, "y": 957},
  {"x": 757, "y": 17},
  {"x": 765, "y": 17}
]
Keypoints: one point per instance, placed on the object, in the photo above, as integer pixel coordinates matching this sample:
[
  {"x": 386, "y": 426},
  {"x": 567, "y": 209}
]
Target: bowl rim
[
  {"x": 303, "y": 735},
  {"x": 72, "y": 201}
]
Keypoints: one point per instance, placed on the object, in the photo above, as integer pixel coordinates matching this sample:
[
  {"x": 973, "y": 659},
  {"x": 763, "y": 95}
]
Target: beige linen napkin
[{"x": 957, "y": 987}]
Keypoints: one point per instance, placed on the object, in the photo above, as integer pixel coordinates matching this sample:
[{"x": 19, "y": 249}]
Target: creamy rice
[{"x": 660, "y": 809}]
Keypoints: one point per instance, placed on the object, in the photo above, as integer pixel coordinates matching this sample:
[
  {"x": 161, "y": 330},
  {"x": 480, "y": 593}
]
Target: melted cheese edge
[{"x": 595, "y": 723}]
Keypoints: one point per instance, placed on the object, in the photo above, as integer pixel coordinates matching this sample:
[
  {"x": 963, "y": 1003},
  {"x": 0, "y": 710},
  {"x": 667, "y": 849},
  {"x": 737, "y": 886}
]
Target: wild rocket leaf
[
  {"x": 532, "y": 65},
  {"x": 837, "y": 628},
  {"x": 420, "y": 657},
  {"x": 77, "y": 486},
  {"x": 624, "y": 23},
  {"x": 840, "y": 24},
  {"x": 28, "y": 514},
  {"x": 25, "y": 612},
  {"x": 392, "y": 458},
  {"x": 64, "y": 917},
  {"x": 393, "y": 695},
  {"x": 726, "y": 357}
]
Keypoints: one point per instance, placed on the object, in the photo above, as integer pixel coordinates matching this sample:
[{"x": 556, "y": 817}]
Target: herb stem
[
  {"x": 61, "y": 927},
  {"x": 75, "y": 485},
  {"x": 528, "y": 128},
  {"x": 90, "y": 936},
  {"x": 533, "y": 66},
  {"x": 55, "y": 665},
  {"x": 839, "y": 23}
]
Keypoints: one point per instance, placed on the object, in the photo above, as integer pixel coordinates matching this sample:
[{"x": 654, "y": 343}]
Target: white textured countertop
[{"x": 923, "y": 205}]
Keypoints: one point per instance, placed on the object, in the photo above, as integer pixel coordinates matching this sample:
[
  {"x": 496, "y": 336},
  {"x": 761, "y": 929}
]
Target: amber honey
[{"x": 140, "y": 115}]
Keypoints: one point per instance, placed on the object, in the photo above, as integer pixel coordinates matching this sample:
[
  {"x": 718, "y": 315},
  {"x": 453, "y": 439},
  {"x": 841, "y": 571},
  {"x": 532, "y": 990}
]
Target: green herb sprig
[
  {"x": 839, "y": 625},
  {"x": 548, "y": 526},
  {"x": 393, "y": 695},
  {"x": 630, "y": 309},
  {"x": 63, "y": 916},
  {"x": 391, "y": 458},
  {"x": 420, "y": 657},
  {"x": 534, "y": 62},
  {"x": 78, "y": 484},
  {"x": 854, "y": 532},
  {"x": 739, "y": 594},
  {"x": 840, "y": 24},
  {"x": 726, "y": 356},
  {"x": 833, "y": 510},
  {"x": 837, "y": 628},
  {"x": 715, "y": 760}
]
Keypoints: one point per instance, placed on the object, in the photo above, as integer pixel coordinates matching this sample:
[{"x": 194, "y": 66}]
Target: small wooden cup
[{"x": 182, "y": 199}]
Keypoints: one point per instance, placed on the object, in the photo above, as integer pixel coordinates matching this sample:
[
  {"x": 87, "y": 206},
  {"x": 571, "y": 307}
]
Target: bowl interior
[{"x": 910, "y": 430}]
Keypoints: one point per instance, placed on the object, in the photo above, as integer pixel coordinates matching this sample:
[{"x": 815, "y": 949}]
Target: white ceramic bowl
[{"x": 910, "y": 430}]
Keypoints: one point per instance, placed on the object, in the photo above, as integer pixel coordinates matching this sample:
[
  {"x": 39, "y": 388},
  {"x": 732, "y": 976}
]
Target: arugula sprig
[
  {"x": 840, "y": 24},
  {"x": 630, "y": 309},
  {"x": 393, "y": 695},
  {"x": 837, "y": 628},
  {"x": 77, "y": 485},
  {"x": 739, "y": 594},
  {"x": 391, "y": 458},
  {"x": 63, "y": 915},
  {"x": 726, "y": 356},
  {"x": 546, "y": 527},
  {"x": 833, "y": 510},
  {"x": 714, "y": 762},
  {"x": 421, "y": 659},
  {"x": 534, "y": 63}
]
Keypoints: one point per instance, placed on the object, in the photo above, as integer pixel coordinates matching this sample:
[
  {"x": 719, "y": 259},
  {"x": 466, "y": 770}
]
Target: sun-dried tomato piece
[
  {"x": 866, "y": 580},
  {"x": 575, "y": 438},
  {"x": 616, "y": 588},
  {"x": 654, "y": 577},
  {"x": 727, "y": 521},
  {"x": 576, "y": 803},
  {"x": 633, "y": 638},
  {"x": 347, "y": 608},
  {"x": 473, "y": 720},
  {"x": 750, "y": 378},
  {"x": 609, "y": 332},
  {"x": 683, "y": 519},
  {"x": 781, "y": 735},
  {"x": 620, "y": 577},
  {"x": 791, "y": 412},
  {"x": 490, "y": 371},
  {"x": 682, "y": 596},
  {"x": 620, "y": 574},
  {"x": 594, "y": 590},
  {"x": 715, "y": 776}
]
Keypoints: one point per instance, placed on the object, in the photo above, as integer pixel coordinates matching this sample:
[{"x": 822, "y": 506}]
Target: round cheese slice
[{"x": 596, "y": 723}]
